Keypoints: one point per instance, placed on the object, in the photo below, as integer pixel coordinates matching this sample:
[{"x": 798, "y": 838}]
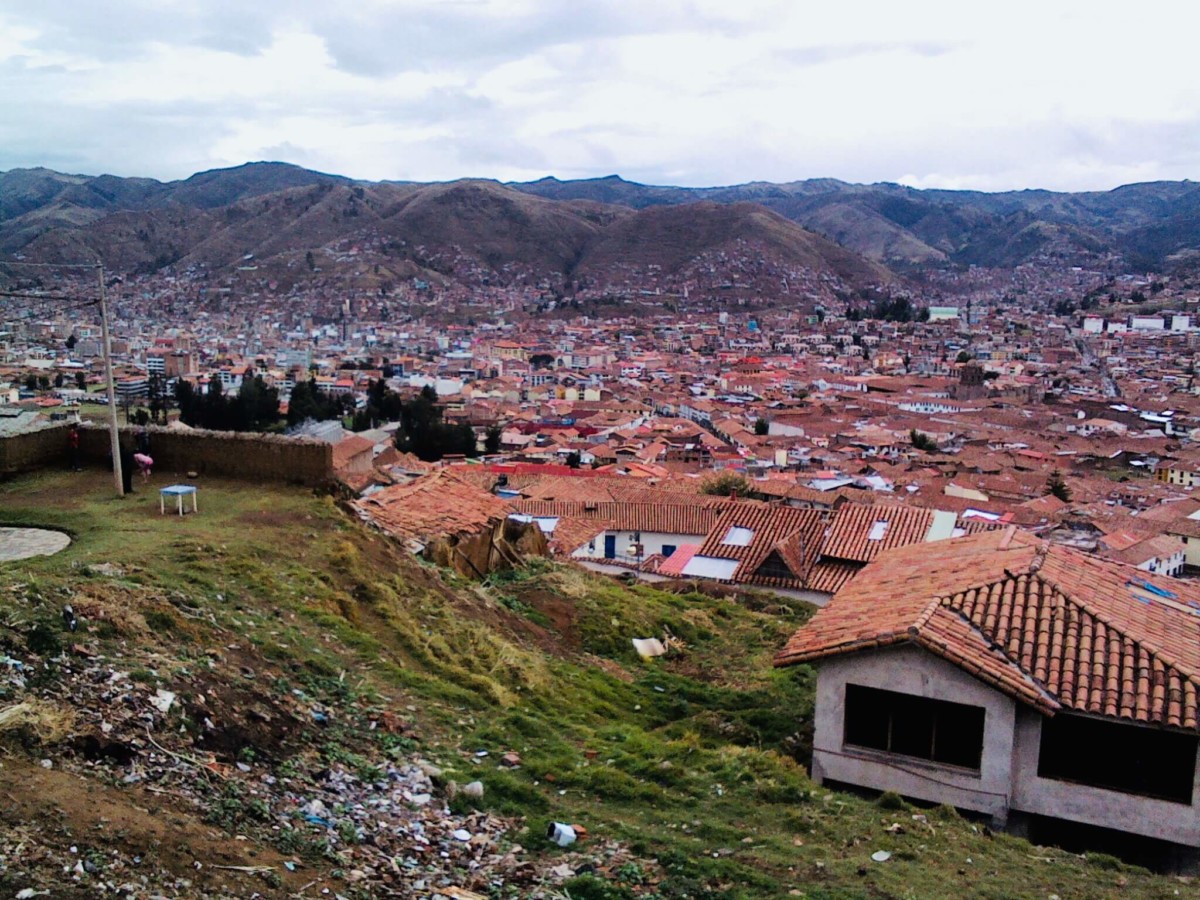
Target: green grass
[{"x": 696, "y": 760}]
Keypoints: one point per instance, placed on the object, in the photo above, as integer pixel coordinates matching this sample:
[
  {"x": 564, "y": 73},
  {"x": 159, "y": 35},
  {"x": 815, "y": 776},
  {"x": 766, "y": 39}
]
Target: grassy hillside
[{"x": 309, "y": 659}]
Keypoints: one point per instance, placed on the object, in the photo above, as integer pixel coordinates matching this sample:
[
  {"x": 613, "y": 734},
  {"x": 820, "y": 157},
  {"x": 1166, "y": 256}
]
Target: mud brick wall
[
  {"x": 251, "y": 457},
  {"x": 34, "y": 450}
]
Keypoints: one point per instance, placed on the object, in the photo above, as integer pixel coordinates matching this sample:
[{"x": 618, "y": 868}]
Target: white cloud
[{"x": 930, "y": 93}]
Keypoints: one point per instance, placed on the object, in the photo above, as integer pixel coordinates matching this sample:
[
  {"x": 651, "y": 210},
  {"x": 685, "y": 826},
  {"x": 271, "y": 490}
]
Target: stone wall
[
  {"x": 34, "y": 450},
  {"x": 253, "y": 457}
]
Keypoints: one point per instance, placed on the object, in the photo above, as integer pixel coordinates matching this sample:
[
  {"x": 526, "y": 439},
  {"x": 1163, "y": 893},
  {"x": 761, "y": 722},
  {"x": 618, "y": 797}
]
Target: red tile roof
[
  {"x": 853, "y": 523},
  {"x": 795, "y": 534},
  {"x": 432, "y": 506},
  {"x": 1050, "y": 626}
]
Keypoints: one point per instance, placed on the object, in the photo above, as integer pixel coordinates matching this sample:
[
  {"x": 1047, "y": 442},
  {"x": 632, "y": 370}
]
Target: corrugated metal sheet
[{"x": 711, "y": 567}]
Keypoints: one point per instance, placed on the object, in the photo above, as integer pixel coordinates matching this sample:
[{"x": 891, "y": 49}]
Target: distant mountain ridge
[
  {"x": 280, "y": 213},
  {"x": 472, "y": 231},
  {"x": 1147, "y": 224}
]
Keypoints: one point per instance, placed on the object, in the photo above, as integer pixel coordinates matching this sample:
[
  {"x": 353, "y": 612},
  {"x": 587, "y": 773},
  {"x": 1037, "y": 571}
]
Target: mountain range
[{"x": 279, "y": 214}]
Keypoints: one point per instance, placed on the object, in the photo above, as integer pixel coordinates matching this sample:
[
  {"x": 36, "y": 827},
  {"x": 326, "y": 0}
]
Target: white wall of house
[
  {"x": 910, "y": 670},
  {"x": 1091, "y": 805},
  {"x": 652, "y": 543}
]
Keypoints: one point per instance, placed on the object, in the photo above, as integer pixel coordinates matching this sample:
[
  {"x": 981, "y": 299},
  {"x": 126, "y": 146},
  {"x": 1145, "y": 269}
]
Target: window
[
  {"x": 774, "y": 567},
  {"x": 667, "y": 550},
  {"x": 920, "y": 727},
  {"x": 737, "y": 536},
  {"x": 1135, "y": 759}
]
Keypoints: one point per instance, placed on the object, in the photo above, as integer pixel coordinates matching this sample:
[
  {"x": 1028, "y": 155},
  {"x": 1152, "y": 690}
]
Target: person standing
[
  {"x": 73, "y": 446},
  {"x": 126, "y": 468}
]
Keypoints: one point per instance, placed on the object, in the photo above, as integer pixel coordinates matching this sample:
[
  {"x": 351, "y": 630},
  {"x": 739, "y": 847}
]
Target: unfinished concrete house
[{"x": 1051, "y": 690}]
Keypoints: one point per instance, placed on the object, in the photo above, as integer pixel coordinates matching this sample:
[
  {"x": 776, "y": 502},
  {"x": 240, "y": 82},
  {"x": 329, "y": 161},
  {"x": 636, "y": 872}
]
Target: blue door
[{"x": 610, "y": 546}]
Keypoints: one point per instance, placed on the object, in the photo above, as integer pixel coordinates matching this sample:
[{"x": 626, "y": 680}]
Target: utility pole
[{"x": 114, "y": 435}]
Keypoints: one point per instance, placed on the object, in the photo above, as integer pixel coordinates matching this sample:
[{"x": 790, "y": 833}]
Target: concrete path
[{"x": 22, "y": 543}]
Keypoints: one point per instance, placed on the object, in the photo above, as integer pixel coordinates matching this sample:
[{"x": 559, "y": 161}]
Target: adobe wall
[
  {"x": 34, "y": 450},
  {"x": 252, "y": 457}
]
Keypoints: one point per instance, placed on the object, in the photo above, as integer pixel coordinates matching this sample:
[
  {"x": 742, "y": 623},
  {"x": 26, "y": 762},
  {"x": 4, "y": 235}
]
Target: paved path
[{"x": 22, "y": 543}]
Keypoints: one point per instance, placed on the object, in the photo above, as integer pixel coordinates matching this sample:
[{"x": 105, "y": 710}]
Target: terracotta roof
[
  {"x": 860, "y": 532},
  {"x": 795, "y": 534},
  {"x": 349, "y": 447},
  {"x": 830, "y": 575},
  {"x": 432, "y": 506},
  {"x": 1050, "y": 626},
  {"x": 673, "y": 564}
]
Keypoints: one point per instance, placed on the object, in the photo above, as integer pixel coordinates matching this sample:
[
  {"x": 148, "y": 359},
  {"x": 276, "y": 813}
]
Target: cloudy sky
[{"x": 1053, "y": 93}]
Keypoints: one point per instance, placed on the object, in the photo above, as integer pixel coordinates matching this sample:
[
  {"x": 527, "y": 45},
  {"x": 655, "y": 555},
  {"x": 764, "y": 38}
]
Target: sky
[{"x": 989, "y": 96}]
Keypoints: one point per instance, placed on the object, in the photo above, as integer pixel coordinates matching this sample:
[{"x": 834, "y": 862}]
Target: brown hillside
[{"x": 671, "y": 236}]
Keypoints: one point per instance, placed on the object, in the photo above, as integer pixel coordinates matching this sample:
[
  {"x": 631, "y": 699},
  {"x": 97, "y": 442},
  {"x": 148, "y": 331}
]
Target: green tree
[
  {"x": 922, "y": 441},
  {"x": 81, "y": 381},
  {"x": 964, "y": 356},
  {"x": 1057, "y": 486},
  {"x": 310, "y": 402},
  {"x": 761, "y": 426},
  {"x": 70, "y": 341},
  {"x": 187, "y": 401},
  {"x": 724, "y": 484},
  {"x": 491, "y": 441},
  {"x": 423, "y": 432},
  {"x": 574, "y": 459}
]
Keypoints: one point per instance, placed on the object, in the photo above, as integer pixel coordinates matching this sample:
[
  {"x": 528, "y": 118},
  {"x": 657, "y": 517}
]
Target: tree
[
  {"x": 81, "y": 381},
  {"x": 158, "y": 399},
  {"x": 491, "y": 441},
  {"x": 964, "y": 356},
  {"x": 761, "y": 426},
  {"x": 310, "y": 402},
  {"x": 1056, "y": 486},
  {"x": 574, "y": 459},
  {"x": 70, "y": 341},
  {"x": 186, "y": 400},
  {"x": 59, "y": 379},
  {"x": 922, "y": 441},
  {"x": 423, "y": 432},
  {"x": 725, "y": 484}
]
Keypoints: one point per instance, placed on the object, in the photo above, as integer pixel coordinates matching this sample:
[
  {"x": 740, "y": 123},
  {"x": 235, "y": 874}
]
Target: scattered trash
[
  {"x": 69, "y": 619},
  {"x": 461, "y": 834},
  {"x": 558, "y": 833},
  {"x": 647, "y": 648},
  {"x": 162, "y": 700},
  {"x": 881, "y": 856},
  {"x": 511, "y": 760}
]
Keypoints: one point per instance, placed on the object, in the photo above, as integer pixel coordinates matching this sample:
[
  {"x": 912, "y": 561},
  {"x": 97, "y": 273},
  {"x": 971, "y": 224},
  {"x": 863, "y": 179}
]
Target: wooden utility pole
[{"x": 114, "y": 435}]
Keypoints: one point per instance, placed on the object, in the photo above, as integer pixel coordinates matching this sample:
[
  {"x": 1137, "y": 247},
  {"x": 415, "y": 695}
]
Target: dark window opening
[
  {"x": 1118, "y": 757},
  {"x": 920, "y": 727},
  {"x": 774, "y": 567},
  {"x": 667, "y": 550}
]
